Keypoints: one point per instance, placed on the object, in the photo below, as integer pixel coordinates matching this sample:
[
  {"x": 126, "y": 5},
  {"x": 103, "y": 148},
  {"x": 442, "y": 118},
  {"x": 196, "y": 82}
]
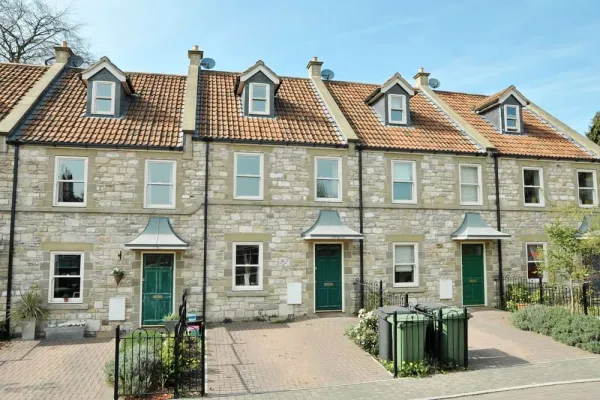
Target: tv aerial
[
  {"x": 434, "y": 83},
  {"x": 327, "y": 74},
  {"x": 207, "y": 63}
]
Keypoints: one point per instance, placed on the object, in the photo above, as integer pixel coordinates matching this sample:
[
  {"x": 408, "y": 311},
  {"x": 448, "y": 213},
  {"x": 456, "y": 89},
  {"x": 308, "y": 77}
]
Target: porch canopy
[
  {"x": 158, "y": 235},
  {"x": 330, "y": 226},
  {"x": 475, "y": 228}
]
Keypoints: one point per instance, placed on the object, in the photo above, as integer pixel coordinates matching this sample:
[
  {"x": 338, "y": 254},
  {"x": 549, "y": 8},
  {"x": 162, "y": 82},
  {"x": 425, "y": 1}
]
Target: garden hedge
[{"x": 582, "y": 331}]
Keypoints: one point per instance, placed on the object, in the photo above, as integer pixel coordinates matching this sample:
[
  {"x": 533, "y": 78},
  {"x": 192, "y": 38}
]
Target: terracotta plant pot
[
  {"x": 66, "y": 299},
  {"x": 118, "y": 278},
  {"x": 521, "y": 306}
]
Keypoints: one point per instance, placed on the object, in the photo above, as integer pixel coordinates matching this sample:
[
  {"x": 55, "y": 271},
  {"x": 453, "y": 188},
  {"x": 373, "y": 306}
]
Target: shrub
[
  {"x": 582, "y": 331},
  {"x": 366, "y": 332},
  {"x": 139, "y": 370},
  {"x": 412, "y": 369}
]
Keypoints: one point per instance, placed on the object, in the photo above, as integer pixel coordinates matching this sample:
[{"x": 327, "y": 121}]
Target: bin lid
[
  {"x": 386, "y": 311},
  {"x": 429, "y": 307},
  {"x": 453, "y": 313},
  {"x": 407, "y": 318}
]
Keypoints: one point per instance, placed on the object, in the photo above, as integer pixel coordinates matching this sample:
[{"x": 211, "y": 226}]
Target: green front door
[
  {"x": 472, "y": 275},
  {"x": 157, "y": 288},
  {"x": 328, "y": 277}
]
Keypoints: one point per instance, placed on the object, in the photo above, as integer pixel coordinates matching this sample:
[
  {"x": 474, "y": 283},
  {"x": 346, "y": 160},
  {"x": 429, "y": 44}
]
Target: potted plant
[
  {"x": 118, "y": 274},
  {"x": 28, "y": 309},
  {"x": 170, "y": 321},
  {"x": 65, "y": 330},
  {"x": 65, "y": 298}
]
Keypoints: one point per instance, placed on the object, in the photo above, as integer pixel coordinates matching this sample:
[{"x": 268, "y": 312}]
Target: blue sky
[{"x": 547, "y": 48}]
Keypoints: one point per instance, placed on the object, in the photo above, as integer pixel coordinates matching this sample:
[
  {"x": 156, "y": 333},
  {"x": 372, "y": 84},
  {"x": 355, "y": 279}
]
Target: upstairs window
[
  {"x": 248, "y": 182},
  {"x": 160, "y": 184},
  {"x": 406, "y": 265},
  {"x": 327, "y": 182},
  {"x": 403, "y": 182},
  {"x": 397, "y": 109},
  {"x": 259, "y": 99},
  {"x": 470, "y": 184},
  {"x": 70, "y": 184},
  {"x": 103, "y": 98},
  {"x": 586, "y": 186},
  {"x": 511, "y": 118},
  {"x": 533, "y": 187}
]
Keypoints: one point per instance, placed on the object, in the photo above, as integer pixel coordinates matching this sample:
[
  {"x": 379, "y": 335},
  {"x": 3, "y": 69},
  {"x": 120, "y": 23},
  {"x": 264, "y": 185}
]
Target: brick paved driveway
[
  {"x": 256, "y": 357},
  {"x": 50, "y": 369},
  {"x": 259, "y": 357}
]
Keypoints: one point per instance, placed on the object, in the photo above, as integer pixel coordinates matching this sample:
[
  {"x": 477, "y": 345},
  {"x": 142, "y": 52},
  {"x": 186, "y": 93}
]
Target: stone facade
[{"x": 115, "y": 215}]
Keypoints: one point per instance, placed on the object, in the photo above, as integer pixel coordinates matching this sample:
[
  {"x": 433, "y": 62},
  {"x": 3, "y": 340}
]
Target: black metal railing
[
  {"x": 376, "y": 295},
  {"x": 520, "y": 292},
  {"x": 160, "y": 362},
  {"x": 436, "y": 339}
]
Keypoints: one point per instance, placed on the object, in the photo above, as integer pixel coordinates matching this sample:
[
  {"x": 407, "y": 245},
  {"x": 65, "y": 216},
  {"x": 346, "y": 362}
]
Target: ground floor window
[
  {"x": 406, "y": 264},
  {"x": 535, "y": 252},
  {"x": 247, "y": 266},
  {"x": 66, "y": 281}
]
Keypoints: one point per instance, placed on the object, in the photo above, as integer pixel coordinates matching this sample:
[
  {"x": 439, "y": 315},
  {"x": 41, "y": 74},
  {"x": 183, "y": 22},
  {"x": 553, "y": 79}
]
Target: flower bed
[
  {"x": 65, "y": 330},
  {"x": 581, "y": 331}
]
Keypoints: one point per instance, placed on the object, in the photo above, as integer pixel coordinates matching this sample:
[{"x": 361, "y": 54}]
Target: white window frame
[
  {"x": 260, "y": 176},
  {"x": 414, "y": 182},
  {"x": 479, "y": 185},
  {"x": 55, "y": 201},
  {"x": 111, "y": 98},
  {"x": 339, "y": 179},
  {"x": 540, "y": 170},
  {"x": 267, "y": 99},
  {"x": 517, "y": 119},
  {"x": 51, "y": 298},
  {"x": 390, "y": 119},
  {"x": 416, "y": 272},
  {"x": 545, "y": 251},
  {"x": 595, "y": 188},
  {"x": 260, "y": 266},
  {"x": 173, "y": 183}
]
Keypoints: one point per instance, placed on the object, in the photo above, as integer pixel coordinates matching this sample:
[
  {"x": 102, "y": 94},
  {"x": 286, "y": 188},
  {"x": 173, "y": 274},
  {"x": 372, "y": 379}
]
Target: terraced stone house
[{"x": 284, "y": 190}]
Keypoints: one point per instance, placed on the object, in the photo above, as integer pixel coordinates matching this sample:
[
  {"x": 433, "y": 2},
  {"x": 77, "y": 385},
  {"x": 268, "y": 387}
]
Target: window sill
[
  {"x": 247, "y": 293},
  {"x": 67, "y": 306},
  {"x": 407, "y": 289},
  {"x": 77, "y": 205},
  {"x": 534, "y": 205}
]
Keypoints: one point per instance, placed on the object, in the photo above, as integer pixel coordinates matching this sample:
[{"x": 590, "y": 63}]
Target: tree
[
  {"x": 569, "y": 255},
  {"x": 594, "y": 133},
  {"x": 29, "y": 30}
]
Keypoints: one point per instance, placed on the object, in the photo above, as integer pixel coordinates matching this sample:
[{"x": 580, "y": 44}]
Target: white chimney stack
[
  {"x": 314, "y": 68},
  {"x": 422, "y": 78}
]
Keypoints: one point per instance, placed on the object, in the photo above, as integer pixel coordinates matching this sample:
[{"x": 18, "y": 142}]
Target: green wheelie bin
[
  {"x": 410, "y": 330},
  {"x": 452, "y": 336}
]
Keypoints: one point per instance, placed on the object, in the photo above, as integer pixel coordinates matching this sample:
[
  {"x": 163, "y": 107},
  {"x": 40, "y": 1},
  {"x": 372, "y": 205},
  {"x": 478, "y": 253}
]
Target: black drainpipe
[
  {"x": 205, "y": 250},
  {"x": 499, "y": 227},
  {"x": 362, "y": 241},
  {"x": 11, "y": 240}
]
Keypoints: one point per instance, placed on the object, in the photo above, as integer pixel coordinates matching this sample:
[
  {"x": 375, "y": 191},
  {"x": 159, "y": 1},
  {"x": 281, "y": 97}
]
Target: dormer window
[
  {"x": 397, "y": 109},
  {"x": 109, "y": 90},
  {"x": 257, "y": 87},
  {"x": 391, "y": 101},
  {"x": 511, "y": 118},
  {"x": 259, "y": 99},
  {"x": 103, "y": 98}
]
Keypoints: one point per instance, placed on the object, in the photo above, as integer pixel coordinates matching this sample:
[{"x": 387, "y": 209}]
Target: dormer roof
[
  {"x": 105, "y": 63},
  {"x": 500, "y": 97},
  {"x": 259, "y": 66},
  {"x": 396, "y": 79}
]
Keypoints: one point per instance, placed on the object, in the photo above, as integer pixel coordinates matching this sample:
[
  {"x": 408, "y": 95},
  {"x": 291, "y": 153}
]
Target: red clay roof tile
[{"x": 15, "y": 81}]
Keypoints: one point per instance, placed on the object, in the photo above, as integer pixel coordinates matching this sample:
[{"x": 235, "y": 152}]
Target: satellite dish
[
  {"x": 207, "y": 63},
  {"x": 75, "y": 61},
  {"x": 434, "y": 83},
  {"x": 327, "y": 74}
]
